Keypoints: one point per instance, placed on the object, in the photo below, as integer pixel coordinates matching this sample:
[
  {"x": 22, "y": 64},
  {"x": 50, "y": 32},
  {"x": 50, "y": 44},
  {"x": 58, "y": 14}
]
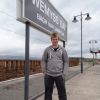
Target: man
[{"x": 54, "y": 64}]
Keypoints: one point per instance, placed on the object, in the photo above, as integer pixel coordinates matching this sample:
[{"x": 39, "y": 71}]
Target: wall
[{"x": 10, "y": 69}]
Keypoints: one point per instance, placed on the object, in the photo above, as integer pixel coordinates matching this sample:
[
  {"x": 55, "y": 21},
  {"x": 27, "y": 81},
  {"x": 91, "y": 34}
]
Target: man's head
[{"x": 54, "y": 39}]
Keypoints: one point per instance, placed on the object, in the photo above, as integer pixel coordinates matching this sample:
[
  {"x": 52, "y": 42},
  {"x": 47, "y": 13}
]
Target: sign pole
[
  {"x": 26, "y": 69},
  {"x": 64, "y": 44}
]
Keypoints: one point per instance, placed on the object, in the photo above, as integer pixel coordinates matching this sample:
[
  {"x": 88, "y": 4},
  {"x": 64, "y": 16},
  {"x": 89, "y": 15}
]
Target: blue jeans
[{"x": 49, "y": 84}]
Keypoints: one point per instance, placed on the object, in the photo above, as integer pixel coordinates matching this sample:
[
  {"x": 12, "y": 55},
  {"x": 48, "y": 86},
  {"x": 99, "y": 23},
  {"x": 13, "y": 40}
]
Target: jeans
[{"x": 49, "y": 84}]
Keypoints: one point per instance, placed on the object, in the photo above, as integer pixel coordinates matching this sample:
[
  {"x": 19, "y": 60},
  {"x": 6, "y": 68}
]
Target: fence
[{"x": 15, "y": 68}]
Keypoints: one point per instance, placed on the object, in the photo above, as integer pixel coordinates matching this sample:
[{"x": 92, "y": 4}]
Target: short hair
[{"x": 54, "y": 34}]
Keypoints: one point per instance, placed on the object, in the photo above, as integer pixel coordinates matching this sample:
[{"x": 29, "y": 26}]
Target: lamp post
[{"x": 75, "y": 20}]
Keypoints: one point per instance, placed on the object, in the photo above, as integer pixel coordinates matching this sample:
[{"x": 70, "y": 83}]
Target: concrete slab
[{"x": 84, "y": 86}]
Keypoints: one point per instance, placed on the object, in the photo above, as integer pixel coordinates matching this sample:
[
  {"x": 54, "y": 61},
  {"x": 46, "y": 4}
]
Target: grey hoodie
[{"x": 54, "y": 63}]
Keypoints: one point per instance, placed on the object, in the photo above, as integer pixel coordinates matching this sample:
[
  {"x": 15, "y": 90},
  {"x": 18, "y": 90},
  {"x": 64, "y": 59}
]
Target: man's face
[{"x": 55, "y": 41}]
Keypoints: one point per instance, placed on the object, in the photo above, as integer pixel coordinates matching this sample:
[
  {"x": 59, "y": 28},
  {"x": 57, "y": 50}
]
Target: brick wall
[
  {"x": 73, "y": 62},
  {"x": 15, "y": 68}
]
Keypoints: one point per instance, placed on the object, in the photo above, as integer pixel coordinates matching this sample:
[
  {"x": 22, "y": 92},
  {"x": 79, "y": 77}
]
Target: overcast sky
[{"x": 12, "y": 32}]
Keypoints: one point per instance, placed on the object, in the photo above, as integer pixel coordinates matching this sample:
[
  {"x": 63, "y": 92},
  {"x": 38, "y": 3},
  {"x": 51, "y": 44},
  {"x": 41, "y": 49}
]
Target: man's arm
[
  {"x": 65, "y": 62},
  {"x": 44, "y": 61}
]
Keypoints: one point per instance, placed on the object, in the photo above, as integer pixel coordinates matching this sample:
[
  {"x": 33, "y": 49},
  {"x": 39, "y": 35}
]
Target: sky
[{"x": 12, "y": 32}]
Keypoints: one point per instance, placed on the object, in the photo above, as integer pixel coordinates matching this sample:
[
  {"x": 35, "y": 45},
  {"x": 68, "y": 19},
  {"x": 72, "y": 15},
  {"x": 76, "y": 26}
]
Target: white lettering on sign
[
  {"x": 62, "y": 25},
  {"x": 42, "y": 6},
  {"x": 47, "y": 11},
  {"x": 41, "y": 18}
]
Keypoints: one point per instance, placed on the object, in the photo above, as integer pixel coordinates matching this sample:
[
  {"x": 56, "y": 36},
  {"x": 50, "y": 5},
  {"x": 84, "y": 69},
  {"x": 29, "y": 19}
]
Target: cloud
[
  {"x": 10, "y": 41},
  {"x": 12, "y": 32}
]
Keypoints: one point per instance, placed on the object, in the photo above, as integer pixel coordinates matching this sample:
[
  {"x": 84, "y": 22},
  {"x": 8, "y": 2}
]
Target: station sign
[{"x": 42, "y": 15}]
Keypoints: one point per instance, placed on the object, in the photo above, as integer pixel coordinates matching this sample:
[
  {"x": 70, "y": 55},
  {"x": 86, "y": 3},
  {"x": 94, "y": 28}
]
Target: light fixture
[
  {"x": 75, "y": 20},
  {"x": 88, "y": 17}
]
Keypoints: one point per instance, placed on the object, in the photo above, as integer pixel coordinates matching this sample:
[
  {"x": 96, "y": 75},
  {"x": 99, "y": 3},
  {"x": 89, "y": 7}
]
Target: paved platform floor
[{"x": 84, "y": 86}]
